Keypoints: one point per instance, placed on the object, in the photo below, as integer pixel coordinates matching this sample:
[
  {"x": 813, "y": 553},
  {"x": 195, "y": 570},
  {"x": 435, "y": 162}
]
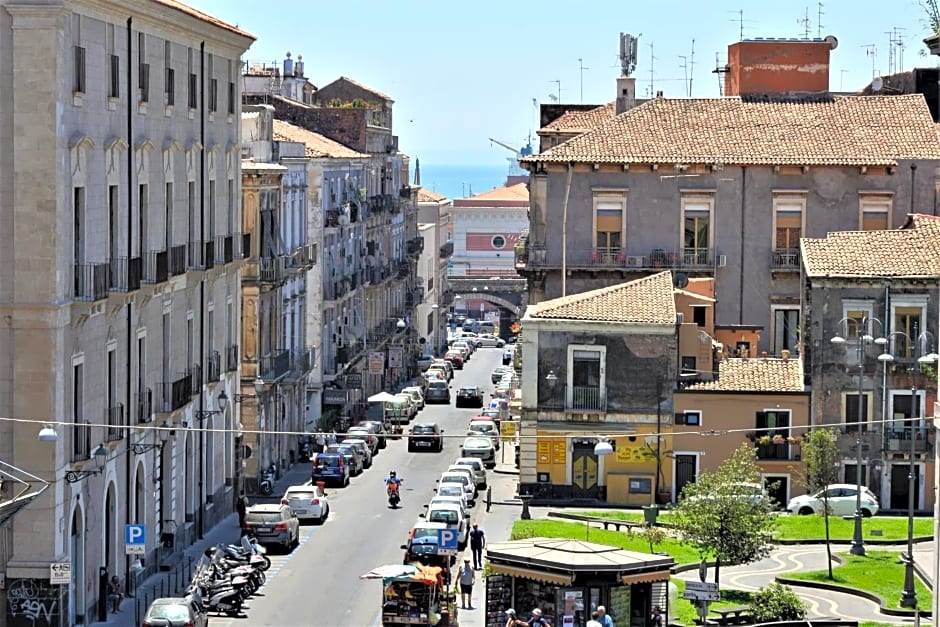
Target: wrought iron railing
[
  {"x": 274, "y": 365},
  {"x": 126, "y": 274},
  {"x": 587, "y": 398},
  {"x": 178, "y": 260},
  {"x": 81, "y": 441},
  {"x": 91, "y": 281},
  {"x": 785, "y": 259},
  {"x": 231, "y": 361},
  {"x": 115, "y": 420},
  {"x": 144, "y": 405},
  {"x": 156, "y": 266},
  {"x": 176, "y": 394}
]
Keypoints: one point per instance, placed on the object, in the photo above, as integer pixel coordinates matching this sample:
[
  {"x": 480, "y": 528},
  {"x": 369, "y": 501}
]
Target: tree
[
  {"x": 653, "y": 535},
  {"x": 820, "y": 454},
  {"x": 722, "y": 516}
]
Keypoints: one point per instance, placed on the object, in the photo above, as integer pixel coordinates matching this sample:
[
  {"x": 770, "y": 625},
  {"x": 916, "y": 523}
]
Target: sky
[{"x": 464, "y": 72}]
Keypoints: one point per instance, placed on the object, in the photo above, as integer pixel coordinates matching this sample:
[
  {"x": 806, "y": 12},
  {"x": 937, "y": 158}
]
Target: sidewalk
[{"x": 175, "y": 582}]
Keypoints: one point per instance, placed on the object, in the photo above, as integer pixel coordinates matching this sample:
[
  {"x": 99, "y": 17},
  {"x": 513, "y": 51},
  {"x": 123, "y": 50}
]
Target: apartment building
[
  {"x": 435, "y": 227},
  {"x": 119, "y": 284}
]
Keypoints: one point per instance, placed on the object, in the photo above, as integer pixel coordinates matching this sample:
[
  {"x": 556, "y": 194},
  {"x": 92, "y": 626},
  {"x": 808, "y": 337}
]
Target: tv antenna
[
  {"x": 805, "y": 23},
  {"x": 871, "y": 50},
  {"x": 651, "y": 94},
  {"x": 691, "y": 67},
  {"x": 582, "y": 68},
  {"x": 553, "y": 97},
  {"x": 719, "y": 70},
  {"x": 741, "y": 23},
  {"x": 819, "y": 14},
  {"x": 895, "y": 50}
]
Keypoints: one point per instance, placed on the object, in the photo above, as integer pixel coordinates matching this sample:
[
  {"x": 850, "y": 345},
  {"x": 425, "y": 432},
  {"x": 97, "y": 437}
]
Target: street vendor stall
[
  {"x": 413, "y": 594},
  {"x": 568, "y": 579}
]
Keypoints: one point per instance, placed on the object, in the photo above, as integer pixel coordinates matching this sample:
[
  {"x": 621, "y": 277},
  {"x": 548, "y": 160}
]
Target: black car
[
  {"x": 469, "y": 396},
  {"x": 175, "y": 612},
  {"x": 426, "y": 436}
]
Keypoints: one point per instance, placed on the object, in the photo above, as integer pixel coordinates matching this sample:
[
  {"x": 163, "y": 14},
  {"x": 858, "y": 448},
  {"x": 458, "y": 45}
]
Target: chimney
[
  {"x": 299, "y": 70},
  {"x": 778, "y": 66},
  {"x": 626, "y": 93},
  {"x": 288, "y": 66}
]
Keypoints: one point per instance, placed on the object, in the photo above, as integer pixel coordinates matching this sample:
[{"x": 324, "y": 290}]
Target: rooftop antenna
[
  {"x": 819, "y": 14},
  {"x": 552, "y": 96},
  {"x": 582, "y": 68},
  {"x": 805, "y": 23},
  {"x": 651, "y": 93},
  {"x": 741, "y": 23},
  {"x": 871, "y": 50},
  {"x": 895, "y": 50},
  {"x": 685, "y": 72},
  {"x": 719, "y": 70},
  {"x": 691, "y": 67}
]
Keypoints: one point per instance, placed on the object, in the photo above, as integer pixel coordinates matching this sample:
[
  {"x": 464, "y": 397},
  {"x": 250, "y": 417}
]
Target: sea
[{"x": 462, "y": 181}]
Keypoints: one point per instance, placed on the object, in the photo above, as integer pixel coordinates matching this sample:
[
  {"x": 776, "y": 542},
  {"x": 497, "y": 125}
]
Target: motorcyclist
[{"x": 393, "y": 481}]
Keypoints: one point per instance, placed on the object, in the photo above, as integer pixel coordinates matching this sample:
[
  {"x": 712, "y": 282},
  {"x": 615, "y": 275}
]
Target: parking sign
[
  {"x": 135, "y": 539},
  {"x": 447, "y": 542}
]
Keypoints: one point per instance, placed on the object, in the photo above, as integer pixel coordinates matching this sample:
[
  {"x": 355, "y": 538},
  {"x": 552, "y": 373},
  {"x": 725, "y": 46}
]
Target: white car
[
  {"x": 469, "y": 487},
  {"x": 480, "y": 447},
  {"x": 467, "y": 471},
  {"x": 486, "y": 428},
  {"x": 488, "y": 340},
  {"x": 455, "y": 500},
  {"x": 307, "y": 502},
  {"x": 416, "y": 394},
  {"x": 841, "y": 497},
  {"x": 453, "y": 490},
  {"x": 479, "y": 470},
  {"x": 450, "y": 514}
]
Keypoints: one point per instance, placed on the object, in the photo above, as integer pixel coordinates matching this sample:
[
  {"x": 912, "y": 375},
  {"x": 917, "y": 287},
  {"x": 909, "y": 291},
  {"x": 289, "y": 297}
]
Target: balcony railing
[
  {"x": 898, "y": 441},
  {"x": 144, "y": 405},
  {"x": 91, "y": 281},
  {"x": 224, "y": 249},
  {"x": 331, "y": 218},
  {"x": 303, "y": 361},
  {"x": 274, "y": 365},
  {"x": 530, "y": 256},
  {"x": 403, "y": 269},
  {"x": 178, "y": 260},
  {"x": 785, "y": 259},
  {"x": 447, "y": 250},
  {"x": 196, "y": 374},
  {"x": 586, "y": 398},
  {"x": 271, "y": 270},
  {"x": 176, "y": 394},
  {"x": 214, "y": 367},
  {"x": 242, "y": 244},
  {"x": 575, "y": 398},
  {"x": 81, "y": 441},
  {"x": 115, "y": 420},
  {"x": 156, "y": 266},
  {"x": 194, "y": 258},
  {"x": 125, "y": 274},
  {"x": 231, "y": 358},
  {"x": 415, "y": 246},
  {"x": 208, "y": 257}
]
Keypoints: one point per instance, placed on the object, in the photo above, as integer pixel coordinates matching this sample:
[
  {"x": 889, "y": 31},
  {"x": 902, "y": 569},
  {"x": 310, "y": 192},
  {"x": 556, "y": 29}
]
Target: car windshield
[
  {"x": 423, "y": 429},
  {"x": 468, "y": 390},
  {"x": 165, "y": 611},
  {"x": 473, "y": 464},
  {"x": 301, "y": 494},
  {"x": 476, "y": 443},
  {"x": 482, "y": 427},
  {"x": 424, "y": 533},
  {"x": 263, "y": 517},
  {"x": 462, "y": 480},
  {"x": 448, "y": 516},
  {"x": 450, "y": 490},
  {"x": 438, "y": 385},
  {"x": 327, "y": 462}
]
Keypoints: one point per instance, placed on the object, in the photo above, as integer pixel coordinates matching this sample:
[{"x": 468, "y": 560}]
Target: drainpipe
[
  {"x": 202, "y": 284},
  {"x": 564, "y": 233},
  {"x": 130, "y": 306},
  {"x": 741, "y": 258}
]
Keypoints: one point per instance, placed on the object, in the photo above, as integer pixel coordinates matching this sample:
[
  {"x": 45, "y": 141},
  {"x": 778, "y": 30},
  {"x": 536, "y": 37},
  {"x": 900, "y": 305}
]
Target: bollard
[
  {"x": 489, "y": 498},
  {"x": 525, "y": 498}
]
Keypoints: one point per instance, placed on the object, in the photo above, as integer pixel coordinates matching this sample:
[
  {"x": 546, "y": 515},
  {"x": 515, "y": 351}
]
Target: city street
[{"x": 318, "y": 583}]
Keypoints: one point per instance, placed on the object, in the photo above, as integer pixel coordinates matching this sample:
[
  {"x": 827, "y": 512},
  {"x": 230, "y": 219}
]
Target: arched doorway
[
  {"x": 77, "y": 557},
  {"x": 110, "y": 530},
  {"x": 140, "y": 496}
]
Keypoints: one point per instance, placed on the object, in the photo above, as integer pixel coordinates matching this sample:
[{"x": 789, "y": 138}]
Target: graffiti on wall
[{"x": 32, "y": 603}]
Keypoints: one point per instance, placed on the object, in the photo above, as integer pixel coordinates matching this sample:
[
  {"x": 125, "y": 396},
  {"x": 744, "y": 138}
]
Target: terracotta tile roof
[
  {"x": 913, "y": 250},
  {"x": 843, "y": 130},
  {"x": 756, "y": 375},
  {"x": 317, "y": 146},
  {"x": 205, "y": 17},
  {"x": 581, "y": 121},
  {"x": 374, "y": 92},
  {"x": 512, "y": 196},
  {"x": 427, "y": 195},
  {"x": 648, "y": 300}
]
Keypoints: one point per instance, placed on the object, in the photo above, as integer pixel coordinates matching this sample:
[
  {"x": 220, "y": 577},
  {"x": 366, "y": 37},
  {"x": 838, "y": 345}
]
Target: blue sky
[{"x": 462, "y": 72}]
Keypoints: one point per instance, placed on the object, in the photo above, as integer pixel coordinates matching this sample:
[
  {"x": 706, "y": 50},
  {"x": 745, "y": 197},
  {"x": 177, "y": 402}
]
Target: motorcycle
[
  {"x": 393, "y": 496},
  {"x": 267, "y": 480}
]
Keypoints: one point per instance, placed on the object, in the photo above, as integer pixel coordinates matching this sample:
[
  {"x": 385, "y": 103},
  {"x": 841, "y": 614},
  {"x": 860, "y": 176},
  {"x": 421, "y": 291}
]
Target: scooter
[
  {"x": 267, "y": 480},
  {"x": 393, "y": 497}
]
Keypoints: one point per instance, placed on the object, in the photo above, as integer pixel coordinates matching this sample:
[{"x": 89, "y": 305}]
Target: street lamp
[
  {"x": 163, "y": 432},
  {"x": 909, "y": 594},
  {"x": 552, "y": 379},
  {"x": 100, "y": 456},
  {"x": 864, "y": 339}
]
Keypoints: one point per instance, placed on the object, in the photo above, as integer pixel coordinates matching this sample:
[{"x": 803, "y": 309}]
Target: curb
[{"x": 874, "y": 598}]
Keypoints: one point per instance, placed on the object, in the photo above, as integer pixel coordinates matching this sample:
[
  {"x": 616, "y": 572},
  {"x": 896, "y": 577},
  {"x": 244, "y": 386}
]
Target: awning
[
  {"x": 662, "y": 575},
  {"x": 529, "y": 573}
]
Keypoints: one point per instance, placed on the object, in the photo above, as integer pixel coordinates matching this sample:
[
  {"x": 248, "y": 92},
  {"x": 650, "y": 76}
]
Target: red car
[{"x": 455, "y": 358}]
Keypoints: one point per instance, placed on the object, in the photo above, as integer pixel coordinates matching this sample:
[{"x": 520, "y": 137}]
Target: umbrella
[
  {"x": 390, "y": 570},
  {"x": 382, "y": 397}
]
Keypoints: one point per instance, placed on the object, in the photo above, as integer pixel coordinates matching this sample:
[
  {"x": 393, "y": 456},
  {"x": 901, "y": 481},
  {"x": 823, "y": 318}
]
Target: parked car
[
  {"x": 456, "y": 358},
  {"x": 377, "y": 428},
  {"x": 497, "y": 374},
  {"x": 363, "y": 447},
  {"x": 175, "y": 612},
  {"x": 421, "y": 546},
  {"x": 424, "y": 361},
  {"x": 331, "y": 468},
  {"x": 364, "y": 433},
  {"x": 446, "y": 366},
  {"x": 453, "y": 490},
  {"x": 459, "y": 501},
  {"x": 469, "y": 396},
  {"x": 465, "y": 348},
  {"x": 481, "y": 448},
  {"x": 469, "y": 485},
  {"x": 841, "y": 497},
  {"x": 426, "y": 436},
  {"x": 488, "y": 340},
  {"x": 450, "y": 515},
  {"x": 353, "y": 457},
  {"x": 483, "y": 426},
  {"x": 479, "y": 470},
  {"x": 468, "y": 472},
  {"x": 273, "y": 524},
  {"x": 307, "y": 502},
  {"x": 438, "y": 392},
  {"x": 417, "y": 395},
  {"x": 405, "y": 397}
]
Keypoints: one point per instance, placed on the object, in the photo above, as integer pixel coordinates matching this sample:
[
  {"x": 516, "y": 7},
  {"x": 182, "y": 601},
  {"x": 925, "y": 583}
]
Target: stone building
[
  {"x": 436, "y": 227},
  {"x": 119, "y": 288}
]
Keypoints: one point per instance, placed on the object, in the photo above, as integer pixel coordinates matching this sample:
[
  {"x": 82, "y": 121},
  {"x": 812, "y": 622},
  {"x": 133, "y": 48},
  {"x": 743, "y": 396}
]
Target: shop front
[{"x": 568, "y": 579}]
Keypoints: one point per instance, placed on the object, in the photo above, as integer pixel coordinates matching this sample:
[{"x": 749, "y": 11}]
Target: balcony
[
  {"x": 274, "y": 365},
  {"x": 156, "y": 267},
  {"x": 536, "y": 256},
  {"x": 81, "y": 441},
  {"x": 196, "y": 375},
  {"x": 208, "y": 257},
  {"x": 785, "y": 260},
  {"x": 447, "y": 250},
  {"x": 178, "y": 260},
  {"x": 176, "y": 394},
  {"x": 242, "y": 244},
  {"x": 331, "y": 218},
  {"x": 224, "y": 249},
  {"x": 126, "y": 274},
  {"x": 91, "y": 281},
  {"x": 405, "y": 192},
  {"x": 899, "y": 441},
  {"x": 415, "y": 246},
  {"x": 304, "y": 360},
  {"x": 114, "y": 417},
  {"x": 214, "y": 367},
  {"x": 231, "y": 358},
  {"x": 271, "y": 270},
  {"x": 196, "y": 259},
  {"x": 144, "y": 405},
  {"x": 587, "y": 398},
  {"x": 403, "y": 269}
]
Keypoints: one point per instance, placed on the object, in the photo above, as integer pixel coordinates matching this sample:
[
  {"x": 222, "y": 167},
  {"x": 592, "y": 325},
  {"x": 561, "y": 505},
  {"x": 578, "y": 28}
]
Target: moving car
[
  {"x": 475, "y": 464},
  {"x": 841, "y": 497},
  {"x": 307, "y": 502},
  {"x": 273, "y": 524},
  {"x": 480, "y": 447},
  {"x": 424, "y": 362},
  {"x": 469, "y": 396},
  {"x": 488, "y": 340},
  {"x": 450, "y": 515},
  {"x": 446, "y": 366},
  {"x": 465, "y": 347},
  {"x": 331, "y": 468},
  {"x": 437, "y": 392},
  {"x": 426, "y": 436},
  {"x": 175, "y": 612}
]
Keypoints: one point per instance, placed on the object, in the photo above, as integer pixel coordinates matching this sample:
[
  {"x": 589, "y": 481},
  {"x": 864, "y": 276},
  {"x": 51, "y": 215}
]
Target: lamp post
[
  {"x": 100, "y": 456},
  {"x": 864, "y": 339},
  {"x": 922, "y": 343}
]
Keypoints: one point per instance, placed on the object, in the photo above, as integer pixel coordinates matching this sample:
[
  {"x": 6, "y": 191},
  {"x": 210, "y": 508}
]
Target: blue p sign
[
  {"x": 447, "y": 538},
  {"x": 134, "y": 534}
]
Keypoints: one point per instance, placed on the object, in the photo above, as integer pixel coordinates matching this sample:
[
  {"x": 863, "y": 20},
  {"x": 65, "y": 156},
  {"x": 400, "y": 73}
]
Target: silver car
[
  {"x": 363, "y": 447},
  {"x": 481, "y": 448}
]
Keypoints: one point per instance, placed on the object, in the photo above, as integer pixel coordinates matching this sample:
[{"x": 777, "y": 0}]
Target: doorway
[
  {"x": 778, "y": 489},
  {"x": 583, "y": 471},
  {"x": 76, "y": 609},
  {"x": 686, "y": 471},
  {"x": 900, "y": 485}
]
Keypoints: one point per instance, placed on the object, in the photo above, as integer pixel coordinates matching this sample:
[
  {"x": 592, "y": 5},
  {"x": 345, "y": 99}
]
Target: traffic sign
[
  {"x": 701, "y": 591},
  {"x": 135, "y": 539},
  {"x": 447, "y": 542}
]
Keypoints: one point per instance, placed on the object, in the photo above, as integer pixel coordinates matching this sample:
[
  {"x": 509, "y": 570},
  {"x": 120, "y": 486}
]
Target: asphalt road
[{"x": 318, "y": 583}]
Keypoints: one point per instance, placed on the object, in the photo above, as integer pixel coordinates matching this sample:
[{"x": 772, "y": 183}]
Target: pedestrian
[
  {"x": 603, "y": 617},
  {"x": 537, "y": 620},
  {"x": 241, "y": 506},
  {"x": 321, "y": 442},
  {"x": 466, "y": 578},
  {"x": 477, "y": 542},
  {"x": 115, "y": 594},
  {"x": 657, "y": 620},
  {"x": 513, "y": 621},
  {"x": 593, "y": 622}
]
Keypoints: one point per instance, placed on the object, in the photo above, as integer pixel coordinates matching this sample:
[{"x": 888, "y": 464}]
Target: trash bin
[{"x": 650, "y": 512}]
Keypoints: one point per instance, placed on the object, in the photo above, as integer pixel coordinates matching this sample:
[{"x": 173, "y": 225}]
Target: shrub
[{"x": 777, "y": 602}]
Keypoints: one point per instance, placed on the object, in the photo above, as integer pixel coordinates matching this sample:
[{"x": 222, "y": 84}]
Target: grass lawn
[
  {"x": 880, "y": 572},
  {"x": 813, "y": 527}
]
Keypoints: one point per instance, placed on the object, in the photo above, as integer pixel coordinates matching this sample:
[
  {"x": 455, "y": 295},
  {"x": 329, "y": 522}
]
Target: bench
[
  {"x": 737, "y": 614},
  {"x": 629, "y": 525}
]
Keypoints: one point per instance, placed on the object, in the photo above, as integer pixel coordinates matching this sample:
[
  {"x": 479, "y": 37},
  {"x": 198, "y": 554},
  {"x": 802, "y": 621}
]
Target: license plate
[
  {"x": 263, "y": 529},
  {"x": 422, "y": 443},
  {"x": 300, "y": 511}
]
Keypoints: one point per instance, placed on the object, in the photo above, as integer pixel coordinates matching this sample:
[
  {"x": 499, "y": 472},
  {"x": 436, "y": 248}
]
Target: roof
[
  {"x": 519, "y": 191},
  {"x": 574, "y": 555},
  {"x": 374, "y": 92},
  {"x": 756, "y": 375},
  {"x": 647, "y": 300},
  {"x": 911, "y": 251},
  {"x": 427, "y": 195},
  {"x": 837, "y": 130},
  {"x": 581, "y": 121},
  {"x": 316, "y": 145},
  {"x": 205, "y": 17}
]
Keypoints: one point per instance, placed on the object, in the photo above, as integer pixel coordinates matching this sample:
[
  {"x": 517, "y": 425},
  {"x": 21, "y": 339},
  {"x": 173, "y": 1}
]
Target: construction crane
[{"x": 518, "y": 153}]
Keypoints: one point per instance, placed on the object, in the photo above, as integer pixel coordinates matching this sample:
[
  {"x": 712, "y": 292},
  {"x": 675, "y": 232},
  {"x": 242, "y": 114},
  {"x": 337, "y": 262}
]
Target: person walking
[
  {"x": 537, "y": 620},
  {"x": 466, "y": 577},
  {"x": 513, "y": 621},
  {"x": 477, "y": 542},
  {"x": 603, "y": 617},
  {"x": 657, "y": 619},
  {"x": 593, "y": 622},
  {"x": 241, "y": 506}
]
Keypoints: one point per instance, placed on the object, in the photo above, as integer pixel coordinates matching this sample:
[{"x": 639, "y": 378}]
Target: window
[
  {"x": 856, "y": 317},
  {"x": 114, "y": 86},
  {"x": 143, "y": 201},
  {"x": 213, "y": 95},
  {"x": 788, "y": 228},
  {"x": 192, "y": 91},
  {"x": 498, "y": 242},
  {"x": 169, "y": 76},
  {"x": 856, "y": 412},
  {"x": 875, "y": 211},
  {"x": 786, "y": 321},
  {"x": 231, "y": 98},
  {"x": 903, "y": 408},
  {"x": 143, "y": 69},
  {"x": 586, "y": 377},
  {"x": 698, "y": 315},
  {"x": 78, "y": 77},
  {"x": 609, "y": 223},
  {"x": 689, "y": 364},
  {"x": 689, "y": 418},
  {"x": 78, "y": 226},
  {"x": 641, "y": 486},
  {"x": 114, "y": 221},
  {"x": 907, "y": 316},
  {"x": 168, "y": 218},
  {"x": 696, "y": 229},
  {"x": 772, "y": 429}
]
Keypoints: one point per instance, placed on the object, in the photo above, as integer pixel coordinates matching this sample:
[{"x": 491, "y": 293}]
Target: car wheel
[
  {"x": 866, "y": 513},
  {"x": 806, "y": 511}
]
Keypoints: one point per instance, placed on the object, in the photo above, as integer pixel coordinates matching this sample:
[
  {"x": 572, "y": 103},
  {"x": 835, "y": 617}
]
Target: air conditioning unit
[
  {"x": 722, "y": 261},
  {"x": 635, "y": 261},
  {"x": 680, "y": 318}
]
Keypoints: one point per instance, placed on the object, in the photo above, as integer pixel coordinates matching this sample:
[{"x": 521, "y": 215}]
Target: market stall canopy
[
  {"x": 390, "y": 570},
  {"x": 382, "y": 397},
  {"x": 429, "y": 575},
  {"x": 562, "y": 558}
]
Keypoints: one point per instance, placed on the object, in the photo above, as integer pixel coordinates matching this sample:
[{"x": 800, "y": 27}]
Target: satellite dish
[
  {"x": 877, "y": 83},
  {"x": 680, "y": 280},
  {"x": 832, "y": 41}
]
